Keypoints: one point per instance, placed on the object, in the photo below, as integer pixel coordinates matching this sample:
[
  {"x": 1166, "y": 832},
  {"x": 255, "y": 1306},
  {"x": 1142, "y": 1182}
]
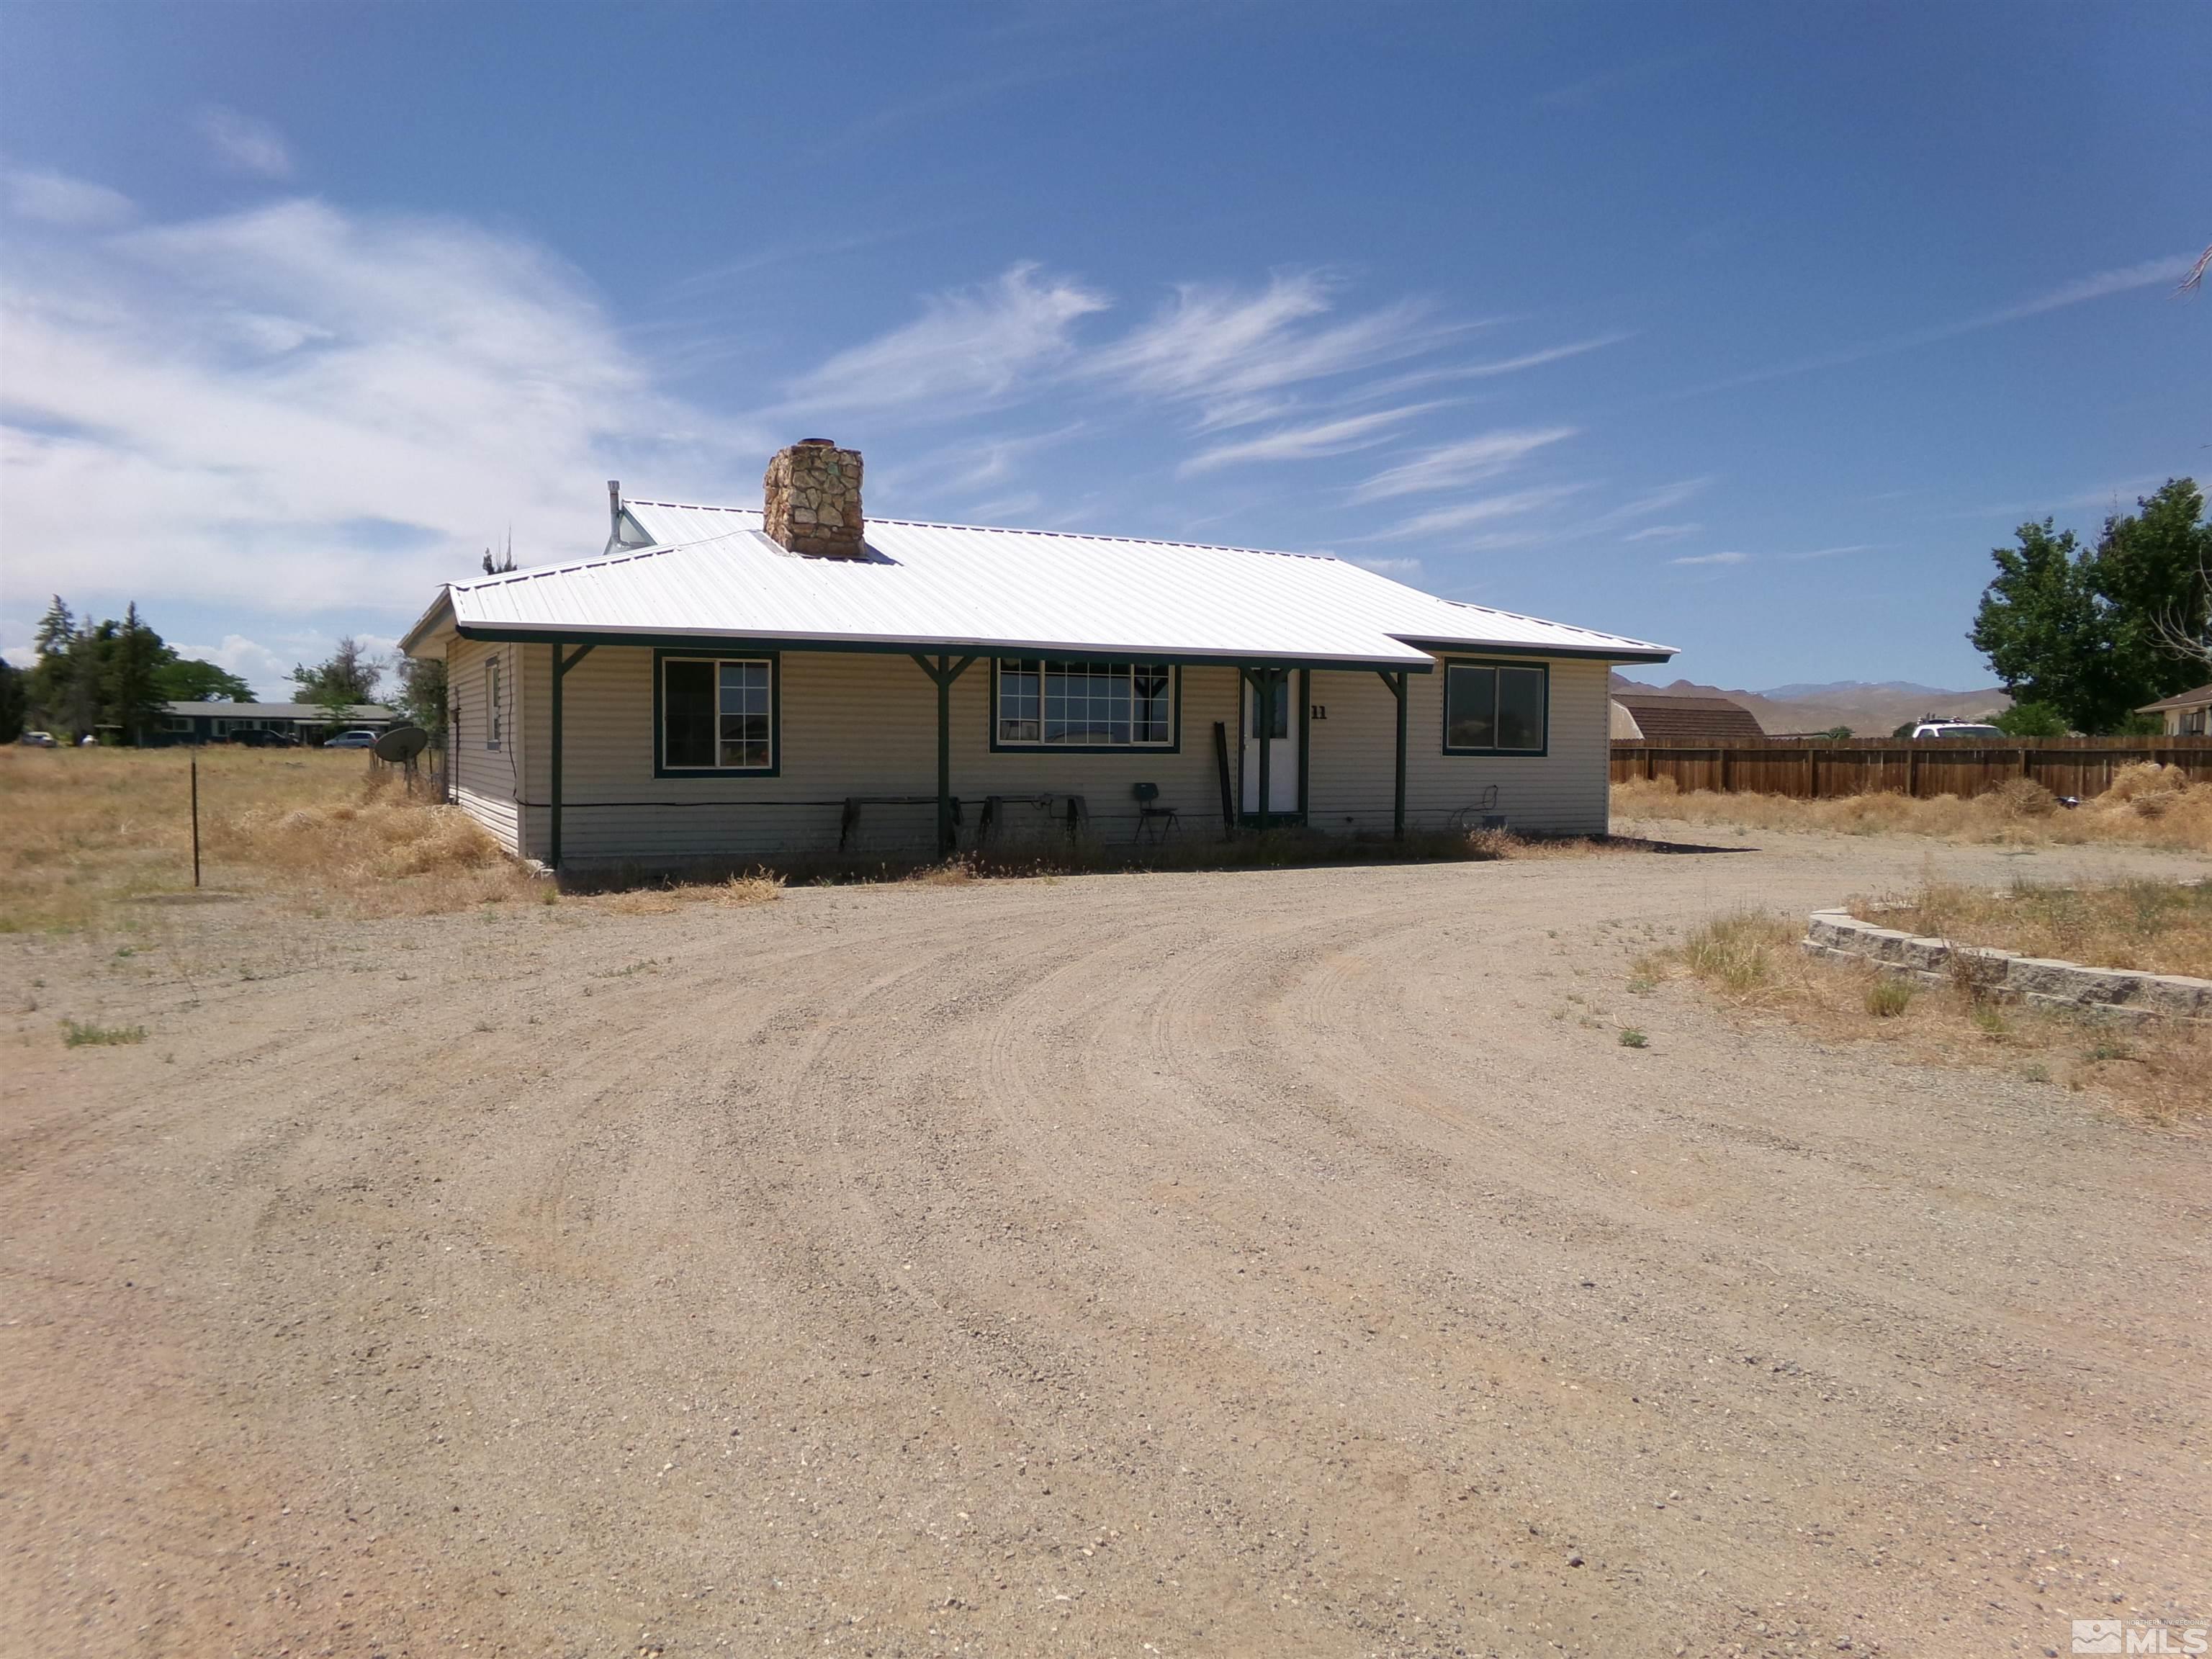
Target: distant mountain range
[{"x": 1869, "y": 709}]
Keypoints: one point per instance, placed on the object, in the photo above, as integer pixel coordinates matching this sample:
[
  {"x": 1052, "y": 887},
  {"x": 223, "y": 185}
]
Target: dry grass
[
  {"x": 1753, "y": 962},
  {"x": 2153, "y": 927},
  {"x": 2147, "y": 805},
  {"x": 758, "y": 887},
  {"x": 91, "y": 829}
]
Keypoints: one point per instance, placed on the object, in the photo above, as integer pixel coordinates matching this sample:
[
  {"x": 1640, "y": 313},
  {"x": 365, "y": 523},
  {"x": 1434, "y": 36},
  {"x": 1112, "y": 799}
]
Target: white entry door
[{"x": 1281, "y": 734}]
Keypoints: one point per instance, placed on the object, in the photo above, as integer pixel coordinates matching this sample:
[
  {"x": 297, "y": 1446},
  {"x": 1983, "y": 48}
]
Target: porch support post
[
  {"x": 1263, "y": 724},
  {"x": 1397, "y": 683},
  {"x": 561, "y": 663},
  {"x": 944, "y": 672}
]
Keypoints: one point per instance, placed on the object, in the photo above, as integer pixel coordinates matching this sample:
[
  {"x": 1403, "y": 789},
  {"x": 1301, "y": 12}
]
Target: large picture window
[
  {"x": 1040, "y": 703},
  {"x": 1495, "y": 708},
  {"x": 717, "y": 714}
]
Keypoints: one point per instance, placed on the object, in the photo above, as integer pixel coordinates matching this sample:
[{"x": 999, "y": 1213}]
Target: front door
[{"x": 1275, "y": 728}]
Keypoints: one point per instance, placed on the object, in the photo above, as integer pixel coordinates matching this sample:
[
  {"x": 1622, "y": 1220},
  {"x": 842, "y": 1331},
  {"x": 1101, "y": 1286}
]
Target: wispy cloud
[
  {"x": 1713, "y": 558},
  {"x": 2150, "y": 273},
  {"x": 1663, "y": 533},
  {"x": 55, "y": 198},
  {"x": 298, "y": 408},
  {"x": 1483, "y": 510},
  {"x": 1303, "y": 443},
  {"x": 245, "y": 144},
  {"x": 1454, "y": 466},
  {"x": 1390, "y": 566},
  {"x": 969, "y": 350},
  {"x": 1233, "y": 354},
  {"x": 1662, "y": 499}
]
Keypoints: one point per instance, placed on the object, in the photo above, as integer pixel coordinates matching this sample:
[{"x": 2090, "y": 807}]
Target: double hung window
[{"x": 1086, "y": 705}]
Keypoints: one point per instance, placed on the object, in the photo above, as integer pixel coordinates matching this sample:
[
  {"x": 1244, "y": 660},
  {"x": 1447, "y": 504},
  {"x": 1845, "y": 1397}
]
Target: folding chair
[{"x": 1154, "y": 821}]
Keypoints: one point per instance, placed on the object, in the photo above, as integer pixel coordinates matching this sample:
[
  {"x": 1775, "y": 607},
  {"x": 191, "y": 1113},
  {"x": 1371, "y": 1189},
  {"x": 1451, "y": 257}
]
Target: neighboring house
[
  {"x": 2188, "y": 714},
  {"x": 727, "y": 682},
  {"x": 219, "y": 722},
  {"x": 1662, "y": 719}
]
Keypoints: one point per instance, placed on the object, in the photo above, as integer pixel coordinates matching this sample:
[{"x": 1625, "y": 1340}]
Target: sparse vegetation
[
  {"x": 1752, "y": 958},
  {"x": 2153, "y": 927},
  {"x": 93, "y": 829},
  {"x": 92, "y": 1034},
  {"x": 1888, "y": 996},
  {"x": 1632, "y": 1038},
  {"x": 2147, "y": 805}
]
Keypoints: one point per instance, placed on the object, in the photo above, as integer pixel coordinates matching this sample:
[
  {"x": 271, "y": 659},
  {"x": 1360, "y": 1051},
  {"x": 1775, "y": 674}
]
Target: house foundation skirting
[{"x": 2043, "y": 983}]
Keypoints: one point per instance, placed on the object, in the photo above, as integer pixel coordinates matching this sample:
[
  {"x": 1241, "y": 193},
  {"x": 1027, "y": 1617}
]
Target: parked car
[
  {"x": 351, "y": 740},
  {"x": 1955, "y": 729},
  {"x": 37, "y": 740},
  {"x": 253, "y": 739}
]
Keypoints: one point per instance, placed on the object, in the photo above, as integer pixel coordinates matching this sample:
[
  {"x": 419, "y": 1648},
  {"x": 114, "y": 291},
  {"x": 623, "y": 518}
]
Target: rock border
[{"x": 2117, "y": 994}]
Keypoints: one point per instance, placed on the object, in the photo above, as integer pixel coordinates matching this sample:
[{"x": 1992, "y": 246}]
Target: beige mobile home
[{"x": 796, "y": 679}]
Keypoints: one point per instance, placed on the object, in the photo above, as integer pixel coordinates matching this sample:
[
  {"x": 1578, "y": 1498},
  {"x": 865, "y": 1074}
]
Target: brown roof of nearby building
[
  {"x": 1690, "y": 720},
  {"x": 2202, "y": 693}
]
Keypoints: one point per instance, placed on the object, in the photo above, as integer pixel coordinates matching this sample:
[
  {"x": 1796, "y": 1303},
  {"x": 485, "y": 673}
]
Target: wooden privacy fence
[{"x": 1812, "y": 768}]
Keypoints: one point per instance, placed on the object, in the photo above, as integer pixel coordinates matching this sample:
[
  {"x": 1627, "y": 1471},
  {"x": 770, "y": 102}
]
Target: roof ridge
[{"x": 1008, "y": 530}]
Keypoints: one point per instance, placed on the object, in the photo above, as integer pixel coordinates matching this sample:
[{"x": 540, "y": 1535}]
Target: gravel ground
[{"x": 1268, "y": 1262}]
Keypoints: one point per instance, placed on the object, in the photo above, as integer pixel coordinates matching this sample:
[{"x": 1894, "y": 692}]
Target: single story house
[
  {"x": 795, "y": 678},
  {"x": 296, "y": 722},
  {"x": 2185, "y": 715},
  {"x": 1686, "y": 720}
]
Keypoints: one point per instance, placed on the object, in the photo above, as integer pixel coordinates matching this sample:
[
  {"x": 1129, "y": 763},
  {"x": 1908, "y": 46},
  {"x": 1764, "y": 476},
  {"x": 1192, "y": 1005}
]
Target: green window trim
[
  {"x": 663, "y": 660},
  {"x": 995, "y": 708},
  {"x": 1462, "y": 680}
]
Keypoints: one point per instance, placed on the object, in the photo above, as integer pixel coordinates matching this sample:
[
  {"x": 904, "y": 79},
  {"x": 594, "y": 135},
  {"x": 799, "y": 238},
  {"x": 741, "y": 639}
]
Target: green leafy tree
[
  {"x": 350, "y": 675},
  {"x": 2031, "y": 720},
  {"x": 15, "y": 700},
  {"x": 2153, "y": 567},
  {"x": 422, "y": 694},
  {"x": 130, "y": 683},
  {"x": 2045, "y": 633},
  {"x": 188, "y": 680},
  {"x": 2095, "y": 635}
]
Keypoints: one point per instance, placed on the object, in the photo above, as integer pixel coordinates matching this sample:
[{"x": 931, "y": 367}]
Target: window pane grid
[
  {"x": 1089, "y": 705},
  {"x": 717, "y": 716}
]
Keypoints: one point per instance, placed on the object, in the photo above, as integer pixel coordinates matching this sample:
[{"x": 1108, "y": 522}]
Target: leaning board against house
[{"x": 705, "y": 688}]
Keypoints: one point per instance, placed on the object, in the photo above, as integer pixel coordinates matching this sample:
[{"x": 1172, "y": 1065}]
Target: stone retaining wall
[{"x": 2037, "y": 981}]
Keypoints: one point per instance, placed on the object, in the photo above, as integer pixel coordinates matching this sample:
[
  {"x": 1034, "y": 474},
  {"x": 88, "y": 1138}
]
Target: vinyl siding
[
  {"x": 865, "y": 724},
  {"x": 1351, "y": 757},
  {"x": 485, "y": 779}
]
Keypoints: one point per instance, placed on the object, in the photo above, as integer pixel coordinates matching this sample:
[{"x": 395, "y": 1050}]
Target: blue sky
[{"x": 1748, "y": 329}]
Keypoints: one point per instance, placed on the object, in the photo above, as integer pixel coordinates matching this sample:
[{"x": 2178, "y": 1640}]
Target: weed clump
[
  {"x": 91, "y": 1035},
  {"x": 1888, "y": 996}
]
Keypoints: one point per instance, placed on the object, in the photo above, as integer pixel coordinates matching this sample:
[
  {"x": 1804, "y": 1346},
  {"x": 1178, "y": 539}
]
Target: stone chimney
[{"x": 813, "y": 496}]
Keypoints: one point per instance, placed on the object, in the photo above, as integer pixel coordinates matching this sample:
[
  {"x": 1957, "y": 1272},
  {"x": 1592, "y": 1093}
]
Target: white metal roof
[{"x": 710, "y": 571}]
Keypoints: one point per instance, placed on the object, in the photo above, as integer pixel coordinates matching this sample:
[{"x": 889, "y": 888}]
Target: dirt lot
[{"x": 1268, "y": 1262}]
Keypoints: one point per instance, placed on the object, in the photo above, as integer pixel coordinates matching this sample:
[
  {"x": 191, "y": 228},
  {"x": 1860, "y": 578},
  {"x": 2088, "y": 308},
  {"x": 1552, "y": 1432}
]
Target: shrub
[
  {"x": 1889, "y": 996},
  {"x": 2023, "y": 798},
  {"x": 1735, "y": 952}
]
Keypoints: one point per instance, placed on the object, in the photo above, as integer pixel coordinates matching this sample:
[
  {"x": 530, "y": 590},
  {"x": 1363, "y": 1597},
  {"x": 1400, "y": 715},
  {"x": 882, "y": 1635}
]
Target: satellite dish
[{"x": 401, "y": 743}]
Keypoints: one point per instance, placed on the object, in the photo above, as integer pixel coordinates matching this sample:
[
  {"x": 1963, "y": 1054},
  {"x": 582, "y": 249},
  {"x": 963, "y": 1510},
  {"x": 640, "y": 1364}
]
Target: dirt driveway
[{"x": 1273, "y": 1262}]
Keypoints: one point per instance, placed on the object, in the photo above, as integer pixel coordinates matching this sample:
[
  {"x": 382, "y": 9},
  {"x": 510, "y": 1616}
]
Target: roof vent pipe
[{"x": 811, "y": 500}]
